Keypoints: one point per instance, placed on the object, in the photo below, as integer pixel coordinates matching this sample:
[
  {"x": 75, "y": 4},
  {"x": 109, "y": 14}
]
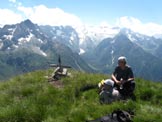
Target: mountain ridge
[
  {"x": 25, "y": 46},
  {"x": 108, "y": 51},
  {"x": 79, "y": 49}
]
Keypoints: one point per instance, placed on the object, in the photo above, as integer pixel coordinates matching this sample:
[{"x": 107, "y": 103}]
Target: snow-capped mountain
[
  {"x": 27, "y": 46},
  {"x": 79, "y": 39},
  {"x": 105, "y": 55},
  {"x": 149, "y": 44},
  {"x": 64, "y": 34},
  {"x": 91, "y": 36},
  {"x": 16, "y": 36}
]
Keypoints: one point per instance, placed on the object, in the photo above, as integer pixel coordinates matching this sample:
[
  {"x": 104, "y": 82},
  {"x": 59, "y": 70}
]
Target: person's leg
[
  {"x": 115, "y": 94},
  {"x": 128, "y": 88},
  {"x": 132, "y": 86},
  {"x": 131, "y": 92}
]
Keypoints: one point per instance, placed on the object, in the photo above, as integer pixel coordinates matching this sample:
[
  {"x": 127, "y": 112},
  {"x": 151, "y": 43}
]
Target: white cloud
[
  {"x": 9, "y": 17},
  {"x": 13, "y": 1},
  {"x": 43, "y": 15},
  {"x": 49, "y": 16},
  {"x": 136, "y": 25}
]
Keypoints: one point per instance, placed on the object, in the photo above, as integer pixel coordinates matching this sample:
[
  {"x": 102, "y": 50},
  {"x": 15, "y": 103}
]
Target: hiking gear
[
  {"x": 106, "y": 92},
  {"x": 116, "y": 116},
  {"x": 109, "y": 82},
  {"x": 107, "y": 97},
  {"x": 101, "y": 83}
]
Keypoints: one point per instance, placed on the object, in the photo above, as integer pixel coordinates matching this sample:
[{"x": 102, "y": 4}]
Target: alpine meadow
[
  {"x": 80, "y": 61},
  {"x": 30, "y": 98}
]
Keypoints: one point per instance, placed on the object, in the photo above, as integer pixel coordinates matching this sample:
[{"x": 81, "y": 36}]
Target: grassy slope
[{"x": 30, "y": 98}]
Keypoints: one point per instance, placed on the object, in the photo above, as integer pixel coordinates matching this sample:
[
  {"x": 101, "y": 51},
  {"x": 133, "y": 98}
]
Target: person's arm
[
  {"x": 131, "y": 75},
  {"x": 113, "y": 76},
  {"x": 130, "y": 79},
  {"x": 114, "y": 79}
]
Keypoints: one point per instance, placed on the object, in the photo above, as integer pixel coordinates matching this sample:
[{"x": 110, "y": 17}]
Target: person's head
[
  {"x": 122, "y": 61},
  {"x": 108, "y": 85}
]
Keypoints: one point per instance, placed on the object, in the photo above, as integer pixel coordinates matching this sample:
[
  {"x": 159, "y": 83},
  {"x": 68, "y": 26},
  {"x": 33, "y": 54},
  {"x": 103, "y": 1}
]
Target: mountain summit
[{"x": 35, "y": 100}]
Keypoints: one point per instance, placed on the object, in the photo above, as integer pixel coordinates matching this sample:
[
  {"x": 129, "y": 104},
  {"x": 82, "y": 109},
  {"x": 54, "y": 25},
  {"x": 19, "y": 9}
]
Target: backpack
[
  {"x": 105, "y": 97},
  {"x": 116, "y": 116}
]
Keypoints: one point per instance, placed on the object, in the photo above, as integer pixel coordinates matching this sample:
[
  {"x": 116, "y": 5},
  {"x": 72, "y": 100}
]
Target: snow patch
[
  {"x": 8, "y": 37},
  {"x": 39, "y": 51},
  {"x": 71, "y": 40},
  {"x": 29, "y": 37},
  {"x": 81, "y": 51},
  {"x": 15, "y": 46},
  {"x": 1, "y": 45},
  {"x": 10, "y": 29},
  {"x": 112, "y": 52},
  {"x": 113, "y": 41},
  {"x": 43, "y": 53},
  {"x": 40, "y": 41},
  {"x": 131, "y": 38},
  {"x": 22, "y": 40},
  {"x": 95, "y": 33},
  {"x": 8, "y": 48},
  {"x": 112, "y": 56}
]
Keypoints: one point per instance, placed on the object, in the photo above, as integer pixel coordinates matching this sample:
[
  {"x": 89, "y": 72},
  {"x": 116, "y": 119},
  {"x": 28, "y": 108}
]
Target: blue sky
[
  {"x": 142, "y": 16},
  {"x": 101, "y": 10}
]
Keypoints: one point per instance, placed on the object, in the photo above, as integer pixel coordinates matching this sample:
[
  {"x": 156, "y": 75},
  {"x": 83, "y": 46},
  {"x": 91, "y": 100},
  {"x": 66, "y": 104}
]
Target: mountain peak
[
  {"x": 27, "y": 23},
  {"x": 121, "y": 34},
  {"x": 126, "y": 31}
]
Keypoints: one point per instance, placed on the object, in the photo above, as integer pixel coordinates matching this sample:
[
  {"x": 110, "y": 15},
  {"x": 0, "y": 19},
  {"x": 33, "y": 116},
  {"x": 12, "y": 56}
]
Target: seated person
[
  {"x": 123, "y": 78},
  {"x": 107, "y": 92}
]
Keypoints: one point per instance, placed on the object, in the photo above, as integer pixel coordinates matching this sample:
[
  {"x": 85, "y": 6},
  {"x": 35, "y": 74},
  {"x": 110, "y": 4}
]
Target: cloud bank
[
  {"x": 49, "y": 16},
  {"x": 9, "y": 17},
  {"x": 136, "y": 25},
  {"x": 43, "y": 15}
]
